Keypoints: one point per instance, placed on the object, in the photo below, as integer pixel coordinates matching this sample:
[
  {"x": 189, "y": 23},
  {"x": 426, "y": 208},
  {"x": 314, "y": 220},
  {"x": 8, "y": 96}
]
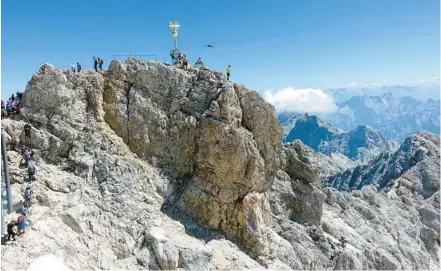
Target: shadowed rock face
[{"x": 150, "y": 166}]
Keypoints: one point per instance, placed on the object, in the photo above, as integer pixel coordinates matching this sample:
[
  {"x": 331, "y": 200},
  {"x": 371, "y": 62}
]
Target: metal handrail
[{"x": 136, "y": 56}]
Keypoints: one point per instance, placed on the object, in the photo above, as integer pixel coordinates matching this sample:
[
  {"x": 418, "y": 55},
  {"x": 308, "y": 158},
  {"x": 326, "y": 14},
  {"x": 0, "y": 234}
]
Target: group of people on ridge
[
  {"x": 180, "y": 59},
  {"x": 76, "y": 68},
  {"x": 12, "y": 106},
  {"x": 98, "y": 63}
]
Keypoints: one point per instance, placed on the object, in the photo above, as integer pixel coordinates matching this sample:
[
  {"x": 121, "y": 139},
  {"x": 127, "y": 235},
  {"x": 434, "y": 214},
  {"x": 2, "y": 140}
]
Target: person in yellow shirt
[{"x": 228, "y": 72}]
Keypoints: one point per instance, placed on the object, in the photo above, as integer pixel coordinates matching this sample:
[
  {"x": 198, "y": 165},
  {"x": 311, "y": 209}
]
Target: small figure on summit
[
  {"x": 78, "y": 67},
  {"x": 100, "y": 63},
  {"x": 173, "y": 56},
  {"x": 72, "y": 67},
  {"x": 199, "y": 63},
  {"x": 179, "y": 56},
  {"x": 95, "y": 64},
  {"x": 185, "y": 62},
  {"x": 228, "y": 72}
]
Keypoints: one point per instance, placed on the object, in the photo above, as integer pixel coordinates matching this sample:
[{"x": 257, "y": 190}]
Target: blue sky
[{"x": 269, "y": 44}]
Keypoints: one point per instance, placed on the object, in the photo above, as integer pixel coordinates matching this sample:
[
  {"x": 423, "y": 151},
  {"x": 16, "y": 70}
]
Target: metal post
[
  {"x": 3, "y": 216},
  {"x": 6, "y": 170}
]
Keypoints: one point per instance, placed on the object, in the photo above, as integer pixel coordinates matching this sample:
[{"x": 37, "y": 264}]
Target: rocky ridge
[
  {"x": 149, "y": 166},
  {"x": 361, "y": 144}
]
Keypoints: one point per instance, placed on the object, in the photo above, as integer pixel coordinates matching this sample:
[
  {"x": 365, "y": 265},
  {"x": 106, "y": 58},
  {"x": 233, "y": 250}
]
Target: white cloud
[
  {"x": 301, "y": 100},
  {"x": 352, "y": 84},
  {"x": 436, "y": 78}
]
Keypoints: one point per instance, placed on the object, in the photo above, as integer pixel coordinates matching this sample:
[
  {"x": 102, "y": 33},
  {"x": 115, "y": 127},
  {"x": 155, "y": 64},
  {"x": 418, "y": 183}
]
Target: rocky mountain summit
[
  {"x": 361, "y": 144},
  {"x": 148, "y": 166}
]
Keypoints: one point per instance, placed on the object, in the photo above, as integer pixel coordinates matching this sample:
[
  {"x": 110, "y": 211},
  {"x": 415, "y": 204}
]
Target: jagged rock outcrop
[
  {"x": 310, "y": 129},
  {"x": 148, "y": 166},
  {"x": 415, "y": 164},
  {"x": 361, "y": 144}
]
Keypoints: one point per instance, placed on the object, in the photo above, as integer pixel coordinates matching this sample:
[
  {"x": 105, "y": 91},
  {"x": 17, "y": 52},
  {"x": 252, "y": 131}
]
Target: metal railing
[{"x": 144, "y": 57}]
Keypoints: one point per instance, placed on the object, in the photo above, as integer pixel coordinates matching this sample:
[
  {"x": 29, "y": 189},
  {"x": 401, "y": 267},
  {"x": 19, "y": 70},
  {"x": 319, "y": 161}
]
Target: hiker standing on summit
[
  {"x": 228, "y": 72},
  {"x": 95, "y": 64},
  {"x": 73, "y": 67},
  {"x": 100, "y": 63}
]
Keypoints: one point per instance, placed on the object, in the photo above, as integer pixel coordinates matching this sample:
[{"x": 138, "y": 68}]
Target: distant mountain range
[
  {"x": 361, "y": 144},
  {"x": 394, "y": 117},
  {"x": 415, "y": 165},
  {"x": 422, "y": 91}
]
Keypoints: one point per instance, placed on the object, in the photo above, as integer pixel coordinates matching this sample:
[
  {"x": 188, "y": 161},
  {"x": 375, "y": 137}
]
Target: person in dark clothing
[
  {"x": 95, "y": 64},
  {"x": 12, "y": 97},
  {"x": 100, "y": 63},
  {"x": 20, "y": 95},
  {"x": 27, "y": 129},
  {"x": 78, "y": 67},
  {"x": 11, "y": 231}
]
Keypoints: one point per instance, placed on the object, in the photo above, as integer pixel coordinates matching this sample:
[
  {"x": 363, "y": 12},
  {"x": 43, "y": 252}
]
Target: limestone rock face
[
  {"x": 192, "y": 123},
  {"x": 147, "y": 166}
]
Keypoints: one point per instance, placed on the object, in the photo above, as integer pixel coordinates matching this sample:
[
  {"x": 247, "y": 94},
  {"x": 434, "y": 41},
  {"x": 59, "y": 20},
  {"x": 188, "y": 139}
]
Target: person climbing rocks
[
  {"x": 12, "y": 98},
  {"x": 21, "y": 224},
  {"x": 27, "y": 129},
  {"x": 95, "y": 64},
  {"x": 32, "y": 170},
  {"x": 25, "y": 212},
  {"x": 11, "y": 231},
  {"x": 27, "y": 157},
  {"x": 228, "y": 72},
  {"x": 100, "y": 63},
  {"x": 27, "y": 195},
  {"x": 72, "y": 67},
  {"x": 185, "y": 62},
  {"x": 78, "y": 67},
  {"x": 179, "y": 56},
  {"x": 19, "y": 95}
]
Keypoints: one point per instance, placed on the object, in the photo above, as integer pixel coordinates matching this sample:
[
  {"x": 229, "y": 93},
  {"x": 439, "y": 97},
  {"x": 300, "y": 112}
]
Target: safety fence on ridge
[{"x": 144, "y": 57}]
